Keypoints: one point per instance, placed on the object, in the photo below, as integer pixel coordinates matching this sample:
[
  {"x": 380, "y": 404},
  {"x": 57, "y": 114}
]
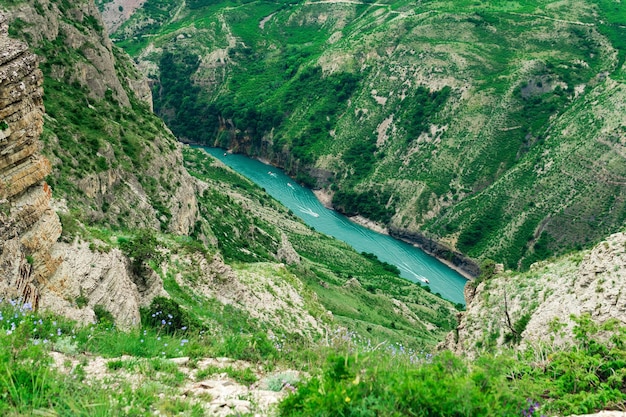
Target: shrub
[
  {"x": 103, "y": 316},
  {"x": 141, "y": 248},
  {"x": 166, "y": 314},
  {"x": 374, "y": 385}
]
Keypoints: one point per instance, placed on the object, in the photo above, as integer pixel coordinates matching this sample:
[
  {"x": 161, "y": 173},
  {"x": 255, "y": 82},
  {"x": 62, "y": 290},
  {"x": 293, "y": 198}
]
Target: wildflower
[
  {"x": 162, "y": 322},
  {"x": 165, "y": 344},
  {"x": 9, "y": 332},
  {"x": 170, "y": 316},
  {"x": 159, "y": 338},
  {"x": 183, "y": 328},
  {"x": 141, "y": 341},
  {"x": 347, "y": 399}
]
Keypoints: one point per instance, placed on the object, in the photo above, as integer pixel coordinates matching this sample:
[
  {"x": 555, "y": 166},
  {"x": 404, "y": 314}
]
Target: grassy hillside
[
  {"x": 217, "y": 242},
  {"x": 495, "y": 127},
  {"x": 52, "y": 366}
]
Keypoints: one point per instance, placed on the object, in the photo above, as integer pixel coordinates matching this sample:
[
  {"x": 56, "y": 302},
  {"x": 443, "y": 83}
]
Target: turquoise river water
[{"x": 414, "y": 264}]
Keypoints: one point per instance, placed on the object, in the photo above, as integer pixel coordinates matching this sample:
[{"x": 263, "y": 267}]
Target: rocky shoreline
[{"x": 453, "y": 259}]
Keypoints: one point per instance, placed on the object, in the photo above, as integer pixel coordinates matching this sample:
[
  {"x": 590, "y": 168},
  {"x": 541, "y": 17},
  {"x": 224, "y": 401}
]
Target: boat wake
[
  {"x": 418, "y": 277},
  {"x": 308, "y": 211}
]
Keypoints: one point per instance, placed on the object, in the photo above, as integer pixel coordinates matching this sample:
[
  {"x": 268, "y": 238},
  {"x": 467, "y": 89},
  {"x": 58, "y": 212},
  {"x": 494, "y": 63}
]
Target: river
[{"x": 414, "y": 264}]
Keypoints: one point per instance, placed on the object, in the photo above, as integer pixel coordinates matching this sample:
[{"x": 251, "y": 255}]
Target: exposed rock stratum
[{"x": 28, "y": 225}]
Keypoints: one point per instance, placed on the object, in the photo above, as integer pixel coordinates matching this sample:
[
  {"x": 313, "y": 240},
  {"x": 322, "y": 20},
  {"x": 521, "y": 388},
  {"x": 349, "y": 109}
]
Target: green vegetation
[
  {"x": 326, "y": 264},
  {"x": 372, "y": 204},
  {"x": 141, "y": 249},
  {"x": 581, "y": 379},
  {"x": 425, "y": 116},
  {"x": 421, "y": 109},
  {"x": 347, "y": 377}
]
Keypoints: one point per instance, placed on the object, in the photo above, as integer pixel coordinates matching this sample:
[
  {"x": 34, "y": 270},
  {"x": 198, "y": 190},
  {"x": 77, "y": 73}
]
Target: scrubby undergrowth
[{"x": 340, "y": 376}]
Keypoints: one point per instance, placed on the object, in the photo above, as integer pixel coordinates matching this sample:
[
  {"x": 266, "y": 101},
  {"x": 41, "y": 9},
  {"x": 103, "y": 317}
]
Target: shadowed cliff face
[{"x": 28, "y": 225}]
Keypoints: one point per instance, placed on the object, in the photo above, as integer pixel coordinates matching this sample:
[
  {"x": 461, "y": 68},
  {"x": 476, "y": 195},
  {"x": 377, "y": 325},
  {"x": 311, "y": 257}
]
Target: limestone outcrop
[
  {"x": 51, "y": 22},
  {"x": 28, "y": 225},
  {"x": 68, "y": 278},
  {"x": 266, "y": 291},
  {"x": 89, "y": 278},
  {"x": 545, "y": 298},
  {"x": 131, "y": 193}
]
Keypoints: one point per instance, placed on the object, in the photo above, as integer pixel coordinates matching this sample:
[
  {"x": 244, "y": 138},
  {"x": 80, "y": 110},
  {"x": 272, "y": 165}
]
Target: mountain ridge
[
  {"x": 462, "y": 119},
  {"x": 177, "y": 261}
]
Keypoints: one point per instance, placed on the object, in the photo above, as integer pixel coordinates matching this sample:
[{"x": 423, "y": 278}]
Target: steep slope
[
  {"x": 540, "y": 307},
  {"x": 28, "y": 225},
  {"x": 136, "y": 225},
  {"x": 112, "y": 159},
  {"x": 489, "y": 127}
]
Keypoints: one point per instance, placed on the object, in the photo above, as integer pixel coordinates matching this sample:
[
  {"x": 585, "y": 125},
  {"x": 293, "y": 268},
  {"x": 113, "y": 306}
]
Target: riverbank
[
  {"x": 466, "y": 267},
  {"x": 325, "y": 197},
  {"x": 370, "y": 224},
  {"x": 458, "y": 269}
]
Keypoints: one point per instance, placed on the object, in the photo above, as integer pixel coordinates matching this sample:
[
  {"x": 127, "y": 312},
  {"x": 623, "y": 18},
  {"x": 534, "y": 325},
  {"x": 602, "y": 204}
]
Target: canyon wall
[{"x": 28, "y": 225}]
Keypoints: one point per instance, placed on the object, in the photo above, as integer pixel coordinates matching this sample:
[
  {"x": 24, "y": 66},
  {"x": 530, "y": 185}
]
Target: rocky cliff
[
  {"x": 93, "y": 95},
  {"x": 536, "y": 308},
  {"x": 34, "y": 267},
  {"x": 28, "y": 226},
  {"x": 113, "y": 161}
]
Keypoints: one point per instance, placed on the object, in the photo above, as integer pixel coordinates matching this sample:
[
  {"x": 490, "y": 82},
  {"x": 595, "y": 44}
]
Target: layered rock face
[
  {"x": 28, "y": 226},
  {"x": 34, "y": 267},
  {"x": 76, "y": 52},
  {"x": 89, "y": 278}
]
